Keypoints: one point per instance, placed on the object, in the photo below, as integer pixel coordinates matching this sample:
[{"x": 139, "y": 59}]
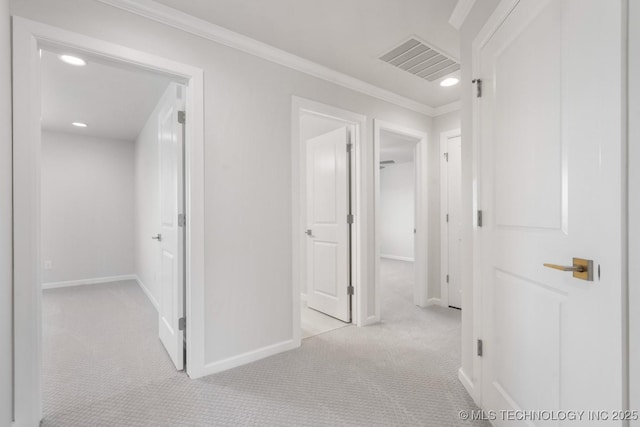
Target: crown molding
[
  {"x": 460, "y": 13},
  {"x": 447, "y": 108},
  {"x": 199, "y": 27}
]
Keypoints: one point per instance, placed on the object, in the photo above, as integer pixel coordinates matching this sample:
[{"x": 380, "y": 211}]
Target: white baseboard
[
  {"x": 467, "y": 383},
  {"x": 397, "y": 258},
  {"x": 91, "y": 281},
  {"x": 248, "y": 357},
  {"x": 434, "y": 301},
  {"x": 148, "y": 293}
]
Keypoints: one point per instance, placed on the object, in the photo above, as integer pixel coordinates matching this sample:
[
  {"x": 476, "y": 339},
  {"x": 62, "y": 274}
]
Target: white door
[
  {"x": 171, "y": 232},
  {"x": 551, "y": 190},
  {"x": 328, "y": 264},
  {"x": 454, "y": 225}
]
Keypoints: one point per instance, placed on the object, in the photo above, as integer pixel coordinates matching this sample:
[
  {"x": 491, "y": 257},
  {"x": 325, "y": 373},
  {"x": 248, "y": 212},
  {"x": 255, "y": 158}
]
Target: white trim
[
  {"x": 397, "y": 257},
  {"x": 199, "y": 27},
  {"x": 468, "y": 384},
  {"x": 359, "y": 308},
  {"x": 444, "y": 196},
  {"x": 460, "y": 13},
  {"x": 90, "y": 281},
  {"x": 28, "y": 36},
  {"x": 434, "y": 301},
  {"x": 447, "y": 108},
  {"x": 421, "y": 253},
  {"x": 148, "y": 293},
  {"x": 248, "y": 357}
]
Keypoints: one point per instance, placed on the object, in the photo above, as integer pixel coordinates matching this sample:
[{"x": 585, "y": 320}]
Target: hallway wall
[
  {"x": 6, "y": 260},
  {"x": 397, "y": 211},
  {"x": 87, "y": 207},
  {"x": 247, "y": 158}
]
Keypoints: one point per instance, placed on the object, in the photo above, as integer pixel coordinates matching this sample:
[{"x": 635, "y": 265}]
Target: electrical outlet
[{"x": 48, "y": 265}]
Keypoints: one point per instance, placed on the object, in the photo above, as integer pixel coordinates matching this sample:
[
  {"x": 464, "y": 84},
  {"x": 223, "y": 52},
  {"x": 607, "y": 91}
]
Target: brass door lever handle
[{"x": 581, "y": 268}]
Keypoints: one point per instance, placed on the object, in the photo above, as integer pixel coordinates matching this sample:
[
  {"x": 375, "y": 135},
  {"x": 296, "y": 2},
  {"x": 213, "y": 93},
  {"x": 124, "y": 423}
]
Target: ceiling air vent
[{"x": 421, "y": 60}]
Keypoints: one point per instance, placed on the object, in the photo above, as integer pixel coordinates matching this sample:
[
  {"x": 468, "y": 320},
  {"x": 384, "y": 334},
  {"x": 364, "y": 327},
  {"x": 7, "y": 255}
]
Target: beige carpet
[{"x": 104, "y": 366}]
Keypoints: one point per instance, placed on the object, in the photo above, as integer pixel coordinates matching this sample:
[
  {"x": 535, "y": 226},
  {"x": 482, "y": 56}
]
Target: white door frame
[
  {"x": 444, "y": 201},
  {"x": 358, "y": 122},
  {"x": 28, "y": 37},
  {"x": 421, "y": 255}
]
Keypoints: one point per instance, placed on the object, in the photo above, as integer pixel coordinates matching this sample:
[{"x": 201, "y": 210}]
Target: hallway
[{"x": 103, "y": 365}]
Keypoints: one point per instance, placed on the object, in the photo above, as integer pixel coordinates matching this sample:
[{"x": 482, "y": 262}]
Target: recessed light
[
  {"x": 73, "y": 60},
  {"x": 79, "y": 124},
  {"x": 449, "y": 82}
]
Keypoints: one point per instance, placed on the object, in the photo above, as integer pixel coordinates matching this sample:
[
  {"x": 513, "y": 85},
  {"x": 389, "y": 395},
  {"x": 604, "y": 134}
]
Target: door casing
[{"x": 28, "y": 37}]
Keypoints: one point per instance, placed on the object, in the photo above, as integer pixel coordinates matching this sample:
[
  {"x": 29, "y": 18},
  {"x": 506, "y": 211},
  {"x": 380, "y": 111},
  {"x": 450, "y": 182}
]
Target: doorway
[
  {"x": 451, "y": 218},
  {"x": 400, "y": 157},
  {"x": 31, "y": 40}
]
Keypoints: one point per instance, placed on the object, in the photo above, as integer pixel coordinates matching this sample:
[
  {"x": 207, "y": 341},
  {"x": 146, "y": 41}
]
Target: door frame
[
  {"x": 421, "y": 296},
  {"x": 28, "y": 37},
  {"x": 299, "y": 107},
  {"x": 444, "y": 203}
]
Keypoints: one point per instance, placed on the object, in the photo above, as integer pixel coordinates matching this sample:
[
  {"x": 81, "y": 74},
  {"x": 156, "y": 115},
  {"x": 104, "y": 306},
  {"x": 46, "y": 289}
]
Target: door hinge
[
  {"x": 447, "y": 278},
  {"x": 349, "y": 218},
  {"x": 479, "y": 348},
  {"x": 349, "y": 290},
  {"x": 478, "y": 83},
  {"x": 349, "y": 147},
  {"x": 446, "y": 157},
  {"x": 479, "y": 218},
  {"x": 182, "y": 117},
  {"x": 182, "y": 220},
  {"x": 182, "y": 323},
  {"x": 447, "y": 218}
]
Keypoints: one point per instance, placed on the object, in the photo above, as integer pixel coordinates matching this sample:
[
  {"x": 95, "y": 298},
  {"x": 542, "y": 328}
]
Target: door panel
[
  {"x": 550, "y": 190},
  {"x": 454, "y": 226},
  {"x": 328, "y": 239},
  {"x": 172, "y": 243}
]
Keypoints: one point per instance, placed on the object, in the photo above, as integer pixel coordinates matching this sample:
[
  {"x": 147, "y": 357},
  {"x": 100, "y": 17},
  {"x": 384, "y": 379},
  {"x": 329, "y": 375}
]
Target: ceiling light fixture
[
  {"x": 73, "y": 60},
  {"x": 79, "y": 124},
  {"x": 449, "y": 82}
]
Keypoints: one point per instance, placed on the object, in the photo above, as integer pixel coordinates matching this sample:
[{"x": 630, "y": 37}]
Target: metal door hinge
[
  {"x": 182, "y": 323},
  {"x": 479, "y": 352},
  {"x": 182, "y": 220},
  {"x": 447, "y": 278},
  {"x": 182, "y": 117},
  {"x": 446, "y": 157},
  {"x": 447, "y": 218},
  {"x": 349, "y": 147},
  {"x": 478, "y": 83},
  {"x": 479, "y": 218},
  {"x": 349, "y": 218},
  {"x": 349, "y": 290}
]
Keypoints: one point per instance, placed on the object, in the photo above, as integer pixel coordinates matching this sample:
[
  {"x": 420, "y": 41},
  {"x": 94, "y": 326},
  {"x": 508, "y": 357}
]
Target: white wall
[
  {"x": 147, "y": 203},
  {"x": 442, "y": 123},
  {"x": 6, "y": 262},
  {"x": 87, "y": 207},
  {"x": 247, "y": 156},
  {"x": 634, "y": 205},
  {"x": 397, "y": 211},
  {"x": 473, "y": 24}
]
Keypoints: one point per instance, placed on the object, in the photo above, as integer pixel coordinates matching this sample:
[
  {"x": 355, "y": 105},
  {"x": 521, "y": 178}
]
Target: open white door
[
  {"x": 328, "y": 264},
  {"x": 454, "y": 223},
  {"x": 171, "y": 237},
  {"x": 551, "y": 190}
]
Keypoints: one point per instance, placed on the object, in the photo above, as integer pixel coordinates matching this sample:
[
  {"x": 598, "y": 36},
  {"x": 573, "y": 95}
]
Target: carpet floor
[{"x": 103, "y": 365}]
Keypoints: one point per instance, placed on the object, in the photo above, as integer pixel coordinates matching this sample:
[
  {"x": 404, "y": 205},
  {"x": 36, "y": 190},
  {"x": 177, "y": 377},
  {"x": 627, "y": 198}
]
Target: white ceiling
[
  {"x": 398, "y": 148},
  {"x": 114, "y": 101},
  {"x": 347, "y": 36}
]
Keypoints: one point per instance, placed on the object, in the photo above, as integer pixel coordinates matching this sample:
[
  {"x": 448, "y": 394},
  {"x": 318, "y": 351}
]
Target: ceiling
[
  {"x": 398, "y": 148},
  {"x": 113, "y": 100},
  {"x": 347, "y": 36}
]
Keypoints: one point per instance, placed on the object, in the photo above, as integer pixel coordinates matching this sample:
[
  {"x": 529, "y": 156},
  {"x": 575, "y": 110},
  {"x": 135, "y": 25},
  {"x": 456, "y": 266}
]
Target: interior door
[
  {"x": 328, "y": 259},
  {"x": 171, "y": 238},
  {"x": 551, "y": 190},
  {"x": 454, "y": 225}
]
